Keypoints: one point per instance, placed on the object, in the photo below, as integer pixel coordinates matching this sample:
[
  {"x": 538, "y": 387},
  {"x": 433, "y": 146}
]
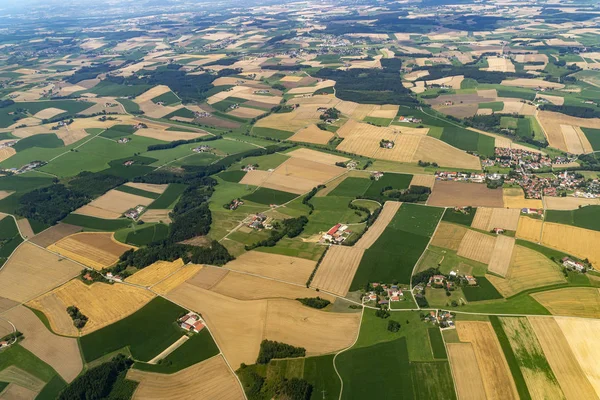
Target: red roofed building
[{"x": 334, "y": 229}]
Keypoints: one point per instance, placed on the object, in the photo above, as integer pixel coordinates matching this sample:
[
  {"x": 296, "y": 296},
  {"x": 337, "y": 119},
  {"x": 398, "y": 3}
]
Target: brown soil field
[
  {"x": 208, "y": 277},
  {"x": 243, "y": 286},
  {"x": 449, "y": 235},
  {"x": 528, "y": 269},
  {"x": 97, "y": 212},
  {"x": 94, "y": 249},
  {"x": 477, "y": 246},
  {"x": 16, "y": 392},
  {"x": 459, "y": 194},
  {"x": 316, "y": 156},
  {"x": 54, "y": 234},
  {"x": 156, "y": 216},
  {"x": 6, "y": 152},
  {"x": 115, "y": 202},
  {"x": 497, "y": 379},
  {"x": 337, "y": 269},
  {"x": 581, "y": 334},
  {"x": 574, "y": 302},
  {"x": 529, "y": 229},
  {"x": 179, "y": 277},
  {"x": 489, "y": 218},
  {"x": 459, "y": 110},
  {"x": 60, "y": 352},
  {"x": 541, "y": 384},
  {"x": 32, "y": 271},
  {"x": 6, "y": 304},
  {"x": 552, "y": 122},
  {"x": 571, "y": 377},
  {"x": 148, "y": 187},
  {"x": 390, "y": 208},
  {"x": 155, "y": 273},
  {"x": 502, "y": 254},
  {"x": 216, "y": 382},
  {"x": 515, "y": 198},
  {"x": 467, "y": 378},
  {"x": 580, "y": 242},
  {"x": 312, "y": 134},
  {"x": 102, "y": 303},
  {"x": 284, "y": 268},
  {"x": 423, "y": 180},
  {"x": 245, "y": 112},
  {"x": 569, "y": 203},
  {"x": 25, "y": 228},
  {"x": 532, "y": 83}
]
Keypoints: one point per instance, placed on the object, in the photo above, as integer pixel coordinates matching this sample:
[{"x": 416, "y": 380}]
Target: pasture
[{"x": 270, "y": 196}]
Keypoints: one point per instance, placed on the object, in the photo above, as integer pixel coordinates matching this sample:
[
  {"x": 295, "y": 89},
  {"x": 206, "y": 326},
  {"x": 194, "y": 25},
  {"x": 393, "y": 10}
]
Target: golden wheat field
[
  {"x": 477, "y": 246},
  {"x": 501, "y": 255},
  {"x": 174, "y": 280},
  {"x": 390, "y": 208},
  {"x": 573, "y": 301},
  {"x": 515, "y": 198},
  {"x": 582, "y": 243},
  {"x": 467, "y": 377},
  {"x": 316, "y": 156},
  {"x": 312, "y": 134},
  {"x": 155, "y": 273},
  {"x": 449, "y": 235},
  {"x": 337, "y": 269},
  {"x": 285, "y": 268},
  {"x": 489, "y": 218},
  {"x": 529, "y": 229},
  {"x": 97, "y": 250}
]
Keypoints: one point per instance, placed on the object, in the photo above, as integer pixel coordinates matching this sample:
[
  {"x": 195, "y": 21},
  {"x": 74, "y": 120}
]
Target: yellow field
[
  {"x": 580, "y": 242},
  {"x": 433, "y": 150},
  {"x": 390, "y": 208},
  {"x": 32, "y": 271},
  {"x": 575, "y": 139},
  {"x": 148, "y": 187},
  {"x": 532, "y": 83},
  {"x": 312, "y": 134},
  {"x": 156, "y": 216},
  {"x": 449, "y": 235},
  {"x": 152, "y": 93},
  {"x": 288, "y": 269},
  {"x": 155, "y": 273},
  {"x": 566, "y": 368},
  {"x": 423, "y": 180},
  {"x": 529, "y": 229},
  {"x": 569, "y": 203},
  {"x": 465, "y": 370},
  {"x": 337, "y": 269},
  {"x": 6, "y": 152},
  {"x": 489, "y": 218},
  {"x": 210, "y": 379},
  {"x": 501, "y": 255},
  {"x": 114, "y": 202},
  {"x": 477, "y": 246},
  {"x": 497, "y": 379},
  {"x": 528, "y": 269},
  {"x": 95, "y": 249},
  {"x": 524, "y": 343},
  {"x": 574, "y": 302},
  {"x": 515, "y": 198},
  {"x": 176, "y": 279},
  {"x": 500, "y": 64},
  {"x": 293, "y": 121},
  {"x": 569, "y": 138},
  {"x": 103, "y": 304},
  {"x": 316, "y": 156}
]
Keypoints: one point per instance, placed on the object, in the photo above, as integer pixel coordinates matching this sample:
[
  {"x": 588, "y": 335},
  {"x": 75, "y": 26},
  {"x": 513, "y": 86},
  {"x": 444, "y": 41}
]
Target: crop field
[
  {"x": 289, "y": 269},
  {"x": 100, "y": 224},
  {"x": 269, "y": 196},
  {"x": 61, "y": 353},
  {"x": 155, "y": 273},
  {"x": 568, "y": 203},
  {"x": 94, "y": 249},
  {"x": 168, "y": 197},
  {"x": 432, "y": 380},
  {"x": 497, "y": 379},
  {"x": 337, "y": 269},
  {"x": 501, "y": 255},
  {"x": 103, "y": 304},
  {"x": 528, "y": 269},
  {"x": 585, "y": 217},
  {"x": 395, "y": 181},
  {"x": 218, "y": 382},
  {"x": 540, "y": 379},
  {"x": 484, "y": 291},
  {"x": 467, "y": 377},
  {"x": 477, "y": 246},
  {"x": 449, "y": 235},
  {"x": 515, "y": 198},
  {"x": 113, "y": 204},
  {"x": 571, "y": 377},
  {"x": 572, "y": 240},
  {"x": 570, "y": 138},
  {"x": 529, "y": 229},
  {"x": 142, "y": 236},
  {"x": 54, "y": 234},
  {"x": 489, "y": 218},
  {"x": 316, "y": 156},
  {"x": 460, "y": 194},
  {"x": 423, "y": 180},
  {"x": 174, "y": 280},
  {"x": 312, "y": 134},
  {"x": 351, "y": 187},
  {"x": 390, "y": 208},
  {"x": 575, "y": 302},
  {"x": 32, "y": 271}
]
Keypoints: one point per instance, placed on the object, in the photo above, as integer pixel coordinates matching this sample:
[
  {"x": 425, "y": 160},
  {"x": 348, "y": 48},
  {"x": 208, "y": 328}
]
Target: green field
[
  {"x": 169, "y": 196},
  {"x": 330, "y": 210},
  {"x": 351, "y": 187},
  {"x": 587, "y": 217},
  {"x": 129, "y": 105},
  {"x": 432, "y": 380},
  {"x": 232, "y": 176},
  {"x": 378, "y": 121},
  {"x": 143, "y": 235},
  {"x": 272, "y": 133},
  {"x": 18, "y": 356},
  {"x": 198, "y": 348},
  {"x": 93, "y": 223},
  {"x": 118, "y": 131},
  {"x": 517, "y": 93},
  {"x": 137, "y": 192},
  {"x": 107, "y": 88},
  {"x": 270, "y": 196},
  {"x": 71, "y": 107},
  {"x": 395, "y": 181},
  {"x": 9, "y": 238},
  {"x": 146, "y": 332},
  {"x": 484, "y": 291},
  {"x": 394, "y": 255},
  {"x": 468, "y": 140},
  {"x": 51, "y": 390},
  {"x": 459, "y": 218},
  {"x": 494, "y": 105},
  {"x": 593, "y": 135},
  {"x": 168, "y": 99},
  {"x": 48, "y": 141},
  {"x": 437, "y": 344}
]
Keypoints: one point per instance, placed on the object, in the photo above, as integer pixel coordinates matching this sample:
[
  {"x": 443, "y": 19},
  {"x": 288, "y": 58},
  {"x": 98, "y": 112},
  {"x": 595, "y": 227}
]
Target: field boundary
[{"x": 346, "y": 349}]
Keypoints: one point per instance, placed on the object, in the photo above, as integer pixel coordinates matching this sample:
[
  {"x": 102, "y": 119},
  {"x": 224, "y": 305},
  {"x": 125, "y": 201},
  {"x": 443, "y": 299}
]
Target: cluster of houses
[
  {"x": 134, "y": 213},
  {"x": 234, "y": 204},
  {"x": 463, "y": 176},
  {"x": 391, "y": 293},
  {"x": 534, "y": 186},
  {"x": 123, "y": 140},
  {"x": 523, "y": 160},
  {"x": 249, "y": 167},
  {"x": 336, "y": 235},
  {"x": 25, "y": 168},
  {"x": 259, "y": 221},
  {"x": 202, "y": 114},
  {"x": 444, "y": 319},
  {"x": 409, "y": 120},
  {"x": 233, "y": 107},
  {"x": 129, "y": 163},
  {"x": 111, "y": 277},
  {"x": 262, "y": 91},
  {"x": 386, "y": 144},
  {"x": 448, "y": 283},
  {"x": 8, "y": 144},
  {"x": 376, "y": 175},
  {"x": 191, "y": 322},
  {"x": 202, "y": 149}
]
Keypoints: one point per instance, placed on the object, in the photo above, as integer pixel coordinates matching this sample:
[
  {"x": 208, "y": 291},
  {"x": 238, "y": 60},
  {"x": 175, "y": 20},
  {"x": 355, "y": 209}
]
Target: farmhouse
[
  {"x": 128, "y": 163},
  {"x": 376, "y": 175},
  {"x": 134, "y": 213},
  {"x": 202, "y": 149},
  {"x": 337, "y": 234},
  {"x": 123, "y": 140},
  {"x": 191, "y": 322},
  {"x": 573, "y": 265},
  {"x": 111, "y": 277}
]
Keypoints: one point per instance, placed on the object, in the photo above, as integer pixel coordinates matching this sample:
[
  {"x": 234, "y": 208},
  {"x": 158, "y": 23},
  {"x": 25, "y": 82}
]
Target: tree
[{"x": 393, "y": 326}]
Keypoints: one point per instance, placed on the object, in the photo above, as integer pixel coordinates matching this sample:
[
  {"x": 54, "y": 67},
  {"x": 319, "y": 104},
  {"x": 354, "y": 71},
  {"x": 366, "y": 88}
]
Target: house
[
  {"x": 376, "y": 175},
  {"x": 498, "y": 231},
  {"x": 123, "y": 140},
  {"x": 471, "y": 280},
  {"x": 128, "y": 163},
  {"x": 572, "y": 264},
  {"x": 111, "y": 277},
  {"x": 191, "y": 322}
]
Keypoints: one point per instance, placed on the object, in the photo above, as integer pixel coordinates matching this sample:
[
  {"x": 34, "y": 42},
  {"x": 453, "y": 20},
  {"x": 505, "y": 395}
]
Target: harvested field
[
  {"x": 423, "y": 180},
  {"x": 102, "y": 303},
  {"x": 300, "y": 176},
  {"x": 449, "y": 235},
  {"x": 573, "y": 302},
  {"x": 575, "y": 140},
  {"x": 557, "y": 100},
  {"x": 337, "y": 269},
  {"x": 16, "y": 392},
  {"x": 312, "y": 134},
  {"x": 179, "y": 277},
  {"x": 465, "y": 370},
  {"x": 390, "y": 208},
  {"x": 94, "y": 249},
  {"x": 25, "y": 228},
  {"x": 529, "y": 229},
  {"x": 459, "y": 110},
  {"x": 453, "y": 82},
  {"x": 532, "y": 83},
  {"x": 515, "y": 198},
  {"x": 497, "y": 379},
  {"x": 6, "y": 152},
  {"x": 289, "y": 269},
  {"x": 311, "y": 89},
  {"x": 155, "y": 273},
  {"x": 148, "y": 187},
  {"x": 571, "y": 377},
  {"x": 528, "y": 269},
  {"x": 152, "y": 93},
  {"x": 32, "y": 271},
  {"x": 459, "y": 194},
  {"x": 582, "y": 336},
  {"x": 569, "y": 138},
  {"x": 168, "y": 136},
  {"x": 156, "y": 215},
  {"x": 54, "y": 234},
  {"x": 405, "y": 147},
  {"x": 582, "y": 243},
  {"x": 489, "y": 218},
  {"x": 255, "y": 177},
  {"x": 48, "y": 113},
  {"x": 413, "y": 76},
  {"x": 292, "y": 121},
  {"x": 477, "y": 246},
  {"x": 245, "y": 112},
  {"x": 569, "y": 203},
  {"x": 243, "y": 286},
  {"x": 6, "y": 304},
  {"x": 59, "y": 352},
  {"x": 499, "y": 64},
  {"x": 208, "y": 277},
  {"x": 540, "y": 380},
  {"x": 502, "y": 254},
  {"x": 55, "y": 311},
  {"x": 16, "y": 375},
  {"x": 114, "y": 202},
  {"x": 433, "y": 150},
  {"x": 217, "y": 382}
]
